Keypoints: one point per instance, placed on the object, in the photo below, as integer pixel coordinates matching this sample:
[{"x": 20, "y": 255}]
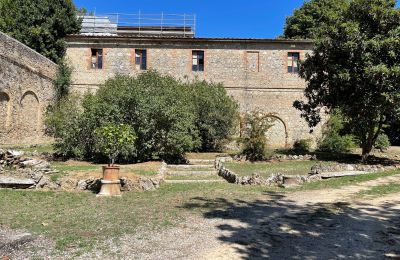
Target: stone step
[
  {"x": 191, "y": 173},
  {"x": 8, "y": 182},
  {"x": 193, "y": 181},
  {"x": 190, "y": 166},
  {"x": 201, "y": 161}
]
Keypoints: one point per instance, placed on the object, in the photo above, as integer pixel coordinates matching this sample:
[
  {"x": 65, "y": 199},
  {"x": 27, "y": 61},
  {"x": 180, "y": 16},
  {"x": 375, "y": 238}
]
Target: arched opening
[
  {"x": 5, "y": 110},
  {"x": 29, "y": 115},
  {"x": 277, "y": 134}
]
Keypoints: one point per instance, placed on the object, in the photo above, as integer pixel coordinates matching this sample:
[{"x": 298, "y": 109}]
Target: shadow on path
[{"x": 280, "y": 228}]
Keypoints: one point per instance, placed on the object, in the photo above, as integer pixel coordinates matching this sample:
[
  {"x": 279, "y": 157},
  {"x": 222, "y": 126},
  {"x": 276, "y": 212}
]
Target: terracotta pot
[
  {"x": 110, "y": 184},
  {"x": 111, "y": 173}
]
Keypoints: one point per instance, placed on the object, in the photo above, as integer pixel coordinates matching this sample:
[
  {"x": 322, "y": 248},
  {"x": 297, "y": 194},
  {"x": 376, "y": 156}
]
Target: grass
[
  {"x": 380, "y": 190},
  {"x": 47, "y": 148},
  {"x": 195, "y": 177},
  {"x": 343, "y": 181},
  {"x": 80, "y": 220},
  {"x": 265, "y": 169}
]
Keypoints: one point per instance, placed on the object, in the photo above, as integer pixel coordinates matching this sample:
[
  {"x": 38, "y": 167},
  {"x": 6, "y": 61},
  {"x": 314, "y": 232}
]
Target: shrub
[
  {"x": 159, "y": 109},
  {"x": 112, "y": 140},
  {"x": 255, "y": 140},
  {"x": 216, "y": 114},
  {"x": 382, "y": 142},
  {"x": 302, "y": 146},
  {"x": 333, "y": 140}
]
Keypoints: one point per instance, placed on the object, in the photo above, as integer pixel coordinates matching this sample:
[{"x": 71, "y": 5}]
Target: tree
[
  {"x": 161, "y": 110},
  {"x": 355, "y": 66},
  {"x": 216, "y": 114},
  {"x": 40, "y": 24},
  {"x": 312, "y": 17}
]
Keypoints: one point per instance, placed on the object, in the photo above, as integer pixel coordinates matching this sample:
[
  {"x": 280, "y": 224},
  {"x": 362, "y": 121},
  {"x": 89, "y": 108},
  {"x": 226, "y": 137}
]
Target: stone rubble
[{"x": 317, "y": 173}]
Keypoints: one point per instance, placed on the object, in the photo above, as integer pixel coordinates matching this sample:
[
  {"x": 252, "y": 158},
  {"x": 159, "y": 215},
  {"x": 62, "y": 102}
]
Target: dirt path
[{"x": 328, "y": 224}]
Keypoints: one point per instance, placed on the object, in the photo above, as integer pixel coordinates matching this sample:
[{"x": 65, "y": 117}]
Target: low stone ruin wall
[{"x": 317, "y": 173}]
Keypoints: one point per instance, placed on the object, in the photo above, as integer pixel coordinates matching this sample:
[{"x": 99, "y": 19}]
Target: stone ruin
[{"x": 22, "y": 172}]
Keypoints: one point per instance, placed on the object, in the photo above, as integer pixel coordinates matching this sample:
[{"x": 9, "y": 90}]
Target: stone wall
[
  {"x": 26, "y": 88},
  {"x": 254, "y": 72}
]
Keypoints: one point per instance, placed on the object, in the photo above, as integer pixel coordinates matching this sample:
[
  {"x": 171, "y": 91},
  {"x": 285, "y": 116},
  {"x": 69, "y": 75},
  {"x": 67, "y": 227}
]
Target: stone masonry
[
  {"x": 254, "y": 71},
  {"x": 26, "y": 89}
]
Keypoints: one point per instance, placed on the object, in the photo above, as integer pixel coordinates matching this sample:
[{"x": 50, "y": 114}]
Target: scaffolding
[{"x": 140, "y": 24}]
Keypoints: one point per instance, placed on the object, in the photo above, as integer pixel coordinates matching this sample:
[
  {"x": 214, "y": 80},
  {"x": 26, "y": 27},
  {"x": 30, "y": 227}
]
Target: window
[
  {"x": 293, "y": 62},
  {"x": 141, "y": 59},
  {"x": 97, "y": 58},
  {"x": 253, "y": 61},
  {"x": 197, "y": 60}
]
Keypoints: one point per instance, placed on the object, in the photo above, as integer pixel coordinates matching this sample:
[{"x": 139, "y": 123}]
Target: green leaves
[
  {"x": 354, "y": 67},
  {"x": 111, "y": 139},
  {"x": 168, "y": 117},
  {"x": 40, "y": 24}
]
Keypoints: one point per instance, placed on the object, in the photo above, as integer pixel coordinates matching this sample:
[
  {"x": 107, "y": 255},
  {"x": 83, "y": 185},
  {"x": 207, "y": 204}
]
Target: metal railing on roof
[{"x": 140, "y": 24}]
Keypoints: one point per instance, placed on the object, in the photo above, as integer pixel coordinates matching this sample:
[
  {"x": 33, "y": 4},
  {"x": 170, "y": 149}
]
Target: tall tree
[
  {"x": 313, "y": 16},
  {"x": 355, "y": 66},
  {"x": 40, "y": 24}
]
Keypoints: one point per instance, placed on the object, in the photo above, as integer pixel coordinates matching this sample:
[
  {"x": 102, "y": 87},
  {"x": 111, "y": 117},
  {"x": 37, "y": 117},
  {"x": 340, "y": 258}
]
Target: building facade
[
  {"x": 26, "y": 89},
  {"x": 261, "y": 74}
]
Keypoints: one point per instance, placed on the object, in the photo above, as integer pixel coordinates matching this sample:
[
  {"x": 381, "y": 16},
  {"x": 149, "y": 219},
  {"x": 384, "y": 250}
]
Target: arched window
[{"x": 5, "y": 109}]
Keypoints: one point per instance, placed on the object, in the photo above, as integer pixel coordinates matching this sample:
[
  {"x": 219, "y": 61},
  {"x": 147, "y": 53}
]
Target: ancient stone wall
[
  {"x": 26, "y": 89},
  {"x": 254, "y": 72}
]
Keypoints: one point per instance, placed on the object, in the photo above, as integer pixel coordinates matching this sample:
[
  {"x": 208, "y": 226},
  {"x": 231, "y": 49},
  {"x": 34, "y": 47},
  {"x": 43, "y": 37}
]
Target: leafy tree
[
  {"x": 313, "y": 16},
  {"x": 160, "y": 109},
  {"x": 40, "y": 24},
  {"x": 216, "y": 114},
  {"x": 355, "y": 67}
]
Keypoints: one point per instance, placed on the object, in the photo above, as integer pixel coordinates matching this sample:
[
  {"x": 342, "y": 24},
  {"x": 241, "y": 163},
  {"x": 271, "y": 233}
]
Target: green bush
[
  {"x": 112, "y": 140},
  {"x": 255, "y": 140},
  {"x": 382, "y": 142},
  {"x": 302, "y": 146},
  {"x": 160, "y": 110},
  {"x": 216, "y": 114},
  {"x": 333, "y": 140}
]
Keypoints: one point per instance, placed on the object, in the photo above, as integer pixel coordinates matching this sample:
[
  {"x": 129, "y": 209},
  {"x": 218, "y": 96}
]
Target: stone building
[
  {"x": 26, "y": 89},
  {"x": 261, "y": 74}
]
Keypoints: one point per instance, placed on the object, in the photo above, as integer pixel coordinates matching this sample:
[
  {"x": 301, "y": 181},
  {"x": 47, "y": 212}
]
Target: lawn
[
  {"x": 380, "y": 190},
  {"x": 265, "y": 169},
  {"x": 79, "y": 220}
]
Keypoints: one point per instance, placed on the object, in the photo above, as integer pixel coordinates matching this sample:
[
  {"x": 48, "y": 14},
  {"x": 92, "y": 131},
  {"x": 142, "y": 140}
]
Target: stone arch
[
  {"x": 29, "y": 115},
  {"x": 277, "y": 134},
  {"x": 5, "y": 111}
]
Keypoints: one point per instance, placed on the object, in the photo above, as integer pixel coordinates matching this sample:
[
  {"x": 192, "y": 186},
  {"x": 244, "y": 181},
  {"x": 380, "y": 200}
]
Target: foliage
[
  {"x": 158, "y": 108},
  {"x": 382, "y": 142},
  {"x": 302, "y": 146},
  {"x": 42, "y": 25},
  {"x": 63, "y": 81},
  {"x": 355, "y": 66},
  {"x": 334, "y": 139},
  {"x": 63, "y": 122},
  {"x": 113, "y": 140},
  {"x": 255, "y": 140},
  {"x": 312, "y": 17},
  {"x": 216, "y": 114}
]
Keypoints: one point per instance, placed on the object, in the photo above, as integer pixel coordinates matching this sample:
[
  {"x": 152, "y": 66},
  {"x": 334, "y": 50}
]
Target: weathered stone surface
[
  {"x": 269, "y": 88},
  {"x": 9, "y": 182},
  {"x": 26, "y": 88}
]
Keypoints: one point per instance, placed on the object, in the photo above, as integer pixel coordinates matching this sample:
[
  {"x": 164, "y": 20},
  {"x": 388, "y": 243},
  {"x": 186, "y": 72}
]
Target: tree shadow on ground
[{"x": 279, "y": 228}]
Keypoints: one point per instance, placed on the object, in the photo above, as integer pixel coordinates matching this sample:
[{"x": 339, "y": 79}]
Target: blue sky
[{"x": 217, "y": 18}]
